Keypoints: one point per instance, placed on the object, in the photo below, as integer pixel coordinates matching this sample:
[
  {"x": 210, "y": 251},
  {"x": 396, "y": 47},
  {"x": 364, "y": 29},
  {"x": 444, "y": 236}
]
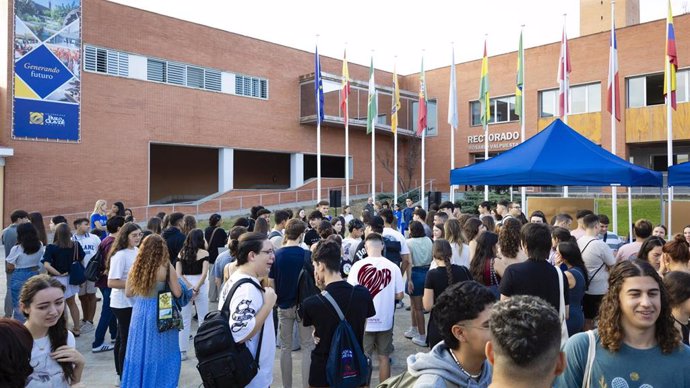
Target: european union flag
[{"x": 318, "y": 86}]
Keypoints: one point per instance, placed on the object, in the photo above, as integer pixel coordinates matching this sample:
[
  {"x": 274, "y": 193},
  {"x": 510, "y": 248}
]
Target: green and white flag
[{"x": 372, "y": 113}]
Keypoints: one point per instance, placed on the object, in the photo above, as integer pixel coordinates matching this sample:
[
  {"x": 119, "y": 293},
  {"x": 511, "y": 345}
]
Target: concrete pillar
[
  {"x": 296, "y": 170},
  {"x": 226, "y": 165}
]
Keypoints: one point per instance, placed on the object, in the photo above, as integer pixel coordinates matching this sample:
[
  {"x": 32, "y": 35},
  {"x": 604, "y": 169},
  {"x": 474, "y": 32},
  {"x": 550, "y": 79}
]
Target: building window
[
  {"x": 501, "y": 110},
  {"x": 106, "y": 61},
  {"x": 431, "y": 117},
  {"x": 156, "y": 71},
  {"x": 251, "y": 86},
  {"x": 583, "y": 99},
  {"x": 648, "y": 90},
  {"x": 177, "y": 73},
  {"x": 195, "y": 77}
]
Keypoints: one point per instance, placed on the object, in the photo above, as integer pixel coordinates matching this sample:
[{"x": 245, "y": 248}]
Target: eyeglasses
[{"x": 268, "y": 251}]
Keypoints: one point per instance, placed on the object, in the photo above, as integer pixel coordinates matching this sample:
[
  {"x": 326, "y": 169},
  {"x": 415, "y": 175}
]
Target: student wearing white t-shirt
[
  {"x": 87, "y": 290},
  {"x": 250, "y": 309},
  {"x": 118, "y": 263},
  {"x": 384, "y": 281},
  {"x": 55, "y": 360}
]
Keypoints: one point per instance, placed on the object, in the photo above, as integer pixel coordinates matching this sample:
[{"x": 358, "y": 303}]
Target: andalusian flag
[
  {"x": 671, "y": 58},
  {"x": 484, "y": 89},
  {"x": 421, "y": 112},
  {"x": 372, "y": 113},
  {"x": 520, "y": 79},
  {"x": 395, "y": 106},
  {"x": 345, "y": 89}
]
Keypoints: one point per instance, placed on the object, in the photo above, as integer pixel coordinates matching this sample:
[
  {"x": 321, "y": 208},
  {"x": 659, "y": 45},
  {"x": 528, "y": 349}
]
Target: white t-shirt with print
[
  {"x": 244, "y": 305},
  {"x": 120, "y": 264},
  {"x": 350, "y": 246},
  {"x": 47, "y": 372},
  {"x": 459, "y": 257},
  {"x": 89, "y": 243},
  {"x": 390, "y": 232},
  {"x": 383, "y": 279}
]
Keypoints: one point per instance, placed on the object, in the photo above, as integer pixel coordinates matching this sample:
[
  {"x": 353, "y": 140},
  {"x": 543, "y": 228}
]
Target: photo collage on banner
[{"x": 47, "y": 61}]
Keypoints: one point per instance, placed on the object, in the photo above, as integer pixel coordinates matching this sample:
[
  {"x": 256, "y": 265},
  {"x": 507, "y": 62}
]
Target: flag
[
  {"x": 395, "y": 106},
  {"x": 564, "y": 70},
  {"x": 671, "y": 58},
  {"x": 614, "y": 83},
  {"x": 484, "y": 89},
  {"x": 372, "y": 111},
  {"x": 452, "y": 95},
  {"x": 519, "y": 80},
  {"x": 421, "y": 112},
  {"x": 345, "y": 89},
  {"x": 318, "y": 86}
]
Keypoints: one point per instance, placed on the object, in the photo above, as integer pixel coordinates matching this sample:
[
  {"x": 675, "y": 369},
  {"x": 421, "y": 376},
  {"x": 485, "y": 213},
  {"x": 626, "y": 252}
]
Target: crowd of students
[{"x": 513, "y": 301}]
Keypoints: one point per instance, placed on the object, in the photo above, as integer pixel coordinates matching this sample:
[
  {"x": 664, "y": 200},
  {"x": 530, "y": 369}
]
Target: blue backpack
[{"x": 347, "y": 365}]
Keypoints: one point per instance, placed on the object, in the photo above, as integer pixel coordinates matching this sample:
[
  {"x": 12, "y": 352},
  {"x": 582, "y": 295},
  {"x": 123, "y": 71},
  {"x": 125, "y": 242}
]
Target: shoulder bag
[
  {"x": 76, "y": 270},
  {"x": 169, "y": 316},
  {"x": 561, "y": 308},
  {"x": 591, "y": 352}
]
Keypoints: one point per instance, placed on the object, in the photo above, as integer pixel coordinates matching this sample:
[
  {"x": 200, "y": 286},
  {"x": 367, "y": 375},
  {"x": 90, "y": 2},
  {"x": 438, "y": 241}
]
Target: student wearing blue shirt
[
  {"x": 636, "y": 342},
  {"x": 99, "y": 218}
]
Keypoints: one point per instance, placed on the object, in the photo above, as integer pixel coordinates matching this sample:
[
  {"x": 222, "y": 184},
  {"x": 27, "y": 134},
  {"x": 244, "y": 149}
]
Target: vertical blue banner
[{"x": 47, "y": 63}]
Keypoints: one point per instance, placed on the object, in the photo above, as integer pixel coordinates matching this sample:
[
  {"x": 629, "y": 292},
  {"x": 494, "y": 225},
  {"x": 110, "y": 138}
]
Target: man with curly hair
[
  {"x": 462, "y": 315},
  {"x": 525, "y": 343},
  {"x": 637, "y": 344}
]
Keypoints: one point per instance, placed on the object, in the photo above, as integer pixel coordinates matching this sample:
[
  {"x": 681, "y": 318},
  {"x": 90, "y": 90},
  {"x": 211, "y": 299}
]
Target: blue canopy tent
[
  {"x": 556, "y": 156},
  {"x": 679, "y": 175}
]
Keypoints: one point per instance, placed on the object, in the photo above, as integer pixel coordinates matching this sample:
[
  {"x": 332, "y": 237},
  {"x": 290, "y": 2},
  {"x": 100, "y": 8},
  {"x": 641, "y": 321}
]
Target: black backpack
[
  {"x": 223, "y": 362},
  {"x": 306, "y": 286},
  {"x": 391, "y": 250}
]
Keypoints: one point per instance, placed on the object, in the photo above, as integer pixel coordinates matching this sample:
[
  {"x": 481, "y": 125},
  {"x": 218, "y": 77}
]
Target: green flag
[{"x": 372, "y": 112}]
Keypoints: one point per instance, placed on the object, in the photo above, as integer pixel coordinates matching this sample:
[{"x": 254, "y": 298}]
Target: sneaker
[
  {"x": 400, "y": 305},
  {"x": 117, "y": 382},
  {"x": 183, "y": 356},
  {"x": 112, "y": 340},
  {"x": 419, "y": 340},
  {"x": 102, "y": 348},
  {"x": 411, "y": 333},
  {"x": 87, "y": 327},
  {"x": 408, "y": 308}
]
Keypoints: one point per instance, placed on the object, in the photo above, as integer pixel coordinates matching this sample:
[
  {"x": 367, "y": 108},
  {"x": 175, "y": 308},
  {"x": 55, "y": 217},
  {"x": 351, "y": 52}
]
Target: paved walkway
[{"x": 100, "y": 369}]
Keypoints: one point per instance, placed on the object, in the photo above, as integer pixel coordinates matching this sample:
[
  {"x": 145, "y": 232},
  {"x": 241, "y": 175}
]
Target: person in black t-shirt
[
  {"x": 215, "y": 237},
  {"x": 437, "y": 281},
  {"x": 312, "y": 235},
  {"x": 355, "y": 302},
  {"x": 535, "y": 276}
]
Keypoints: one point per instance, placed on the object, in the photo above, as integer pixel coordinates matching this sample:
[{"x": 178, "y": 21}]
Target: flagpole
[
  {"x": 523, "y": 191},
  {"x": 423, "y": 136},
  {"x": 373, "y": 142},
  {"x": 347, "y": 139},
  {"x": 669, "y": 139},
  {"x": 451, "y": 195},
  {"x": 318, "y": 129},
  {"x": 395, "y": 139},
  {"x": 566, "y": 81},
  {"x": 486, "y": 127},
  {"x": 612, "y": 80}
]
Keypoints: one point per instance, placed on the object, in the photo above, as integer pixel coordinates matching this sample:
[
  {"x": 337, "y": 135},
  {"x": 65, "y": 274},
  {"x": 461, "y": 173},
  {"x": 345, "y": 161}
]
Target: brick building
[{"x": 174, "y": 111}]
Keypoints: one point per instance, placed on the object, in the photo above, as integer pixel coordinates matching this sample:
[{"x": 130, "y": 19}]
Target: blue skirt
[{"x": 153, "y": 358}]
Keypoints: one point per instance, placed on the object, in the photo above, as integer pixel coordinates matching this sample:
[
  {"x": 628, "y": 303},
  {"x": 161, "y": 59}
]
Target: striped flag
[
  {"x": 345, "y": 88},
  {"x": 372, "y": 112},
  {"x": 452, "y": 95},
  {"x": 421, "y": 112},
  {"x": 519, "y": 81},
  {"x": 564, "y": 70},
  {"x": 613, "y": 77},
  {"x": 318, "y": 86},
  {"x": 395, "y": 106},
  {"x": 484, "y": 89},
  {"x": 671, "y": 58}
]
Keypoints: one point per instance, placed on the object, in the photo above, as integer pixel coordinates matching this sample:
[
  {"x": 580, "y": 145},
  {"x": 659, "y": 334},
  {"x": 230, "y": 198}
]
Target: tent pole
[{"x": 630, "y": 219}]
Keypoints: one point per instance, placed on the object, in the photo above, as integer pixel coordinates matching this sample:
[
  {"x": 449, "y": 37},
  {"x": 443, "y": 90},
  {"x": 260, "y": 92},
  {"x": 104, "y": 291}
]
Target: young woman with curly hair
[
  {"x": 153, "y": 358},
  {"x": 192, "y": 267},
  {"x": 54, "y": 357},
  {"x": 509, "y": 244},
  {"x": 635, "y": 336}
]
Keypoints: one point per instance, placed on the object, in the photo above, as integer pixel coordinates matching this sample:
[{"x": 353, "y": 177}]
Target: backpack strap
[
  {"x": 225, "y": 310},
  {"x": 591, "y": 351},
  {"x": 333, "y": 303}
]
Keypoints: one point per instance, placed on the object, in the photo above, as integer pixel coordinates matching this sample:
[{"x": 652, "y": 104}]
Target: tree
[{"x": 408, "y": 161}]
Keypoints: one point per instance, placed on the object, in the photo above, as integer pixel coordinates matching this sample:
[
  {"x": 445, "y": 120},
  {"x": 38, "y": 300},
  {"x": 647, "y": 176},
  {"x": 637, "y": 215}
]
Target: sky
[{"x": 399, "y": 32}]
